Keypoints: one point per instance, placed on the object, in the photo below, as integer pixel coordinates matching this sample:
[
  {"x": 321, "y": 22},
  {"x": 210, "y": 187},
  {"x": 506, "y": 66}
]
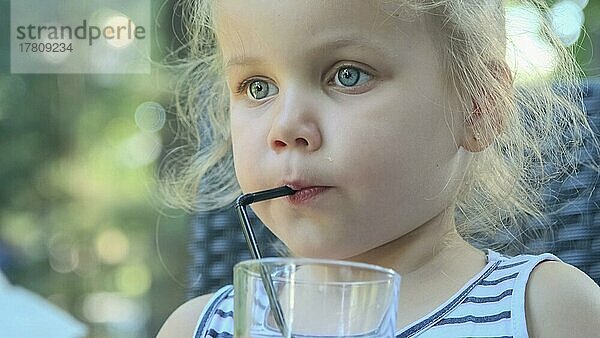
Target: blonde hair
[{"x": 543, "y": 126}]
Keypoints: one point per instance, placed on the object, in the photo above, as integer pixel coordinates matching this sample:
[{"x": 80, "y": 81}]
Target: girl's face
[{"x": 338, "y": 94}]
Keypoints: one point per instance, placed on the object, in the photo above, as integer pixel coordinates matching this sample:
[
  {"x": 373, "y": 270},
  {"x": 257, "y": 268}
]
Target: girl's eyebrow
[{"x": 331, "y": 44}]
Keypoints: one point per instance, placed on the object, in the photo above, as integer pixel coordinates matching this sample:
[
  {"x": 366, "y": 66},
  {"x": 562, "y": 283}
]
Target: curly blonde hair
[{"x": 543, "y": 125}]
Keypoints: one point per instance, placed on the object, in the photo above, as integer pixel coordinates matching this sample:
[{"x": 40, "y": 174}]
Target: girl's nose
[{"x": 295, "y": 126}]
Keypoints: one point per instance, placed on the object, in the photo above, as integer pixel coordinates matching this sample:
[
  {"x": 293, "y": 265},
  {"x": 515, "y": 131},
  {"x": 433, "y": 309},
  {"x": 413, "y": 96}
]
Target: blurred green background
[{"x": 80, "y": 221}]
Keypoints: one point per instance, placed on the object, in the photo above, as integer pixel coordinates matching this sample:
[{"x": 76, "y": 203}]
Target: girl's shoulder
[
  {"x": 183, "y": 321},
  {"x": 561, "y": 301},
  {"x": 549, "y": 298}
]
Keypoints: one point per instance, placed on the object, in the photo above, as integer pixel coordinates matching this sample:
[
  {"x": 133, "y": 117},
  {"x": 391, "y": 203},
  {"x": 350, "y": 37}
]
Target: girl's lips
[{"x": 306, "y": 195}]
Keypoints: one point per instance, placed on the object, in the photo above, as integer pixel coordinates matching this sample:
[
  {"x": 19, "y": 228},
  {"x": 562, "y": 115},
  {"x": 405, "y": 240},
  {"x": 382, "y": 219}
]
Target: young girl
[{"x": 400, "y": 123}]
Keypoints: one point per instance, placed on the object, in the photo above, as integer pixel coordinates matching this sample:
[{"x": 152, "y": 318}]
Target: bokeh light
[
  {"x": 527, "y": 53},
  {"x": 150, "y": 116},
  {"x": 566, "y": 18},
  {"x": 134, "y": 279},
  {"x": 112, "y": 246},
  {"x": 110, "y": 307},
  {"x": 64, "y": 256},
  {"x": 124, "y": 39},
  {"x": 581, "y": 3},
  {"x": 140, "y": 149}
]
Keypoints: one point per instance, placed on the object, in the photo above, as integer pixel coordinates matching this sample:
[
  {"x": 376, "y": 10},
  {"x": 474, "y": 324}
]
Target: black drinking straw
[{"x": 240, "y": 205}]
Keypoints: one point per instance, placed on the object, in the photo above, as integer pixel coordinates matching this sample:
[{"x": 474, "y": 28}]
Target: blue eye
[
  {"x": 259, "y": 89},
  {"x": 348, "y": 76}
]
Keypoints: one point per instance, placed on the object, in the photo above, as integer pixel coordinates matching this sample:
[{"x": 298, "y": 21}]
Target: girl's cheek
[
  {"x": 242, "y": 170},
  {"x": 239, "y": 151},
  {"x": 245, "y": 158}
]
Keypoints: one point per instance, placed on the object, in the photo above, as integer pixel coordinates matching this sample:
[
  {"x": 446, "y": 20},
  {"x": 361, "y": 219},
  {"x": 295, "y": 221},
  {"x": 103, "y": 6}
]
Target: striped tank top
[{"x": 491, "y": 304}]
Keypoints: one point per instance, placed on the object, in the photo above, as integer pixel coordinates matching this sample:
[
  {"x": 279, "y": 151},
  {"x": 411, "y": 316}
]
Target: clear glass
[{"x": 318, "y": 298}]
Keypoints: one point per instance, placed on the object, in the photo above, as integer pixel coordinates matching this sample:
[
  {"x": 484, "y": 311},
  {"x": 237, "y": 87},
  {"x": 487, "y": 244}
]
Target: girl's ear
[{"x": 487, "y": 118}]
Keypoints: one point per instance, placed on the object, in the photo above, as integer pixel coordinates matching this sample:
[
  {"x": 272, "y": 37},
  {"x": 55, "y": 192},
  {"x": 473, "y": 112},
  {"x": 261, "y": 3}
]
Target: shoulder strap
[
  {"x": 493, "y": 256},
  {"x": 518, "y": 297},
  {"x": 209, "y": 311}
]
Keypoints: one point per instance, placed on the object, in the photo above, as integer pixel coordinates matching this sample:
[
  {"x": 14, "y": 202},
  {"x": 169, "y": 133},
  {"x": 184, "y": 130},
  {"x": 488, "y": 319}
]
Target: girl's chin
[
  {"x": 306, "y": 238},
  {"x": 325, "y": 251}
]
